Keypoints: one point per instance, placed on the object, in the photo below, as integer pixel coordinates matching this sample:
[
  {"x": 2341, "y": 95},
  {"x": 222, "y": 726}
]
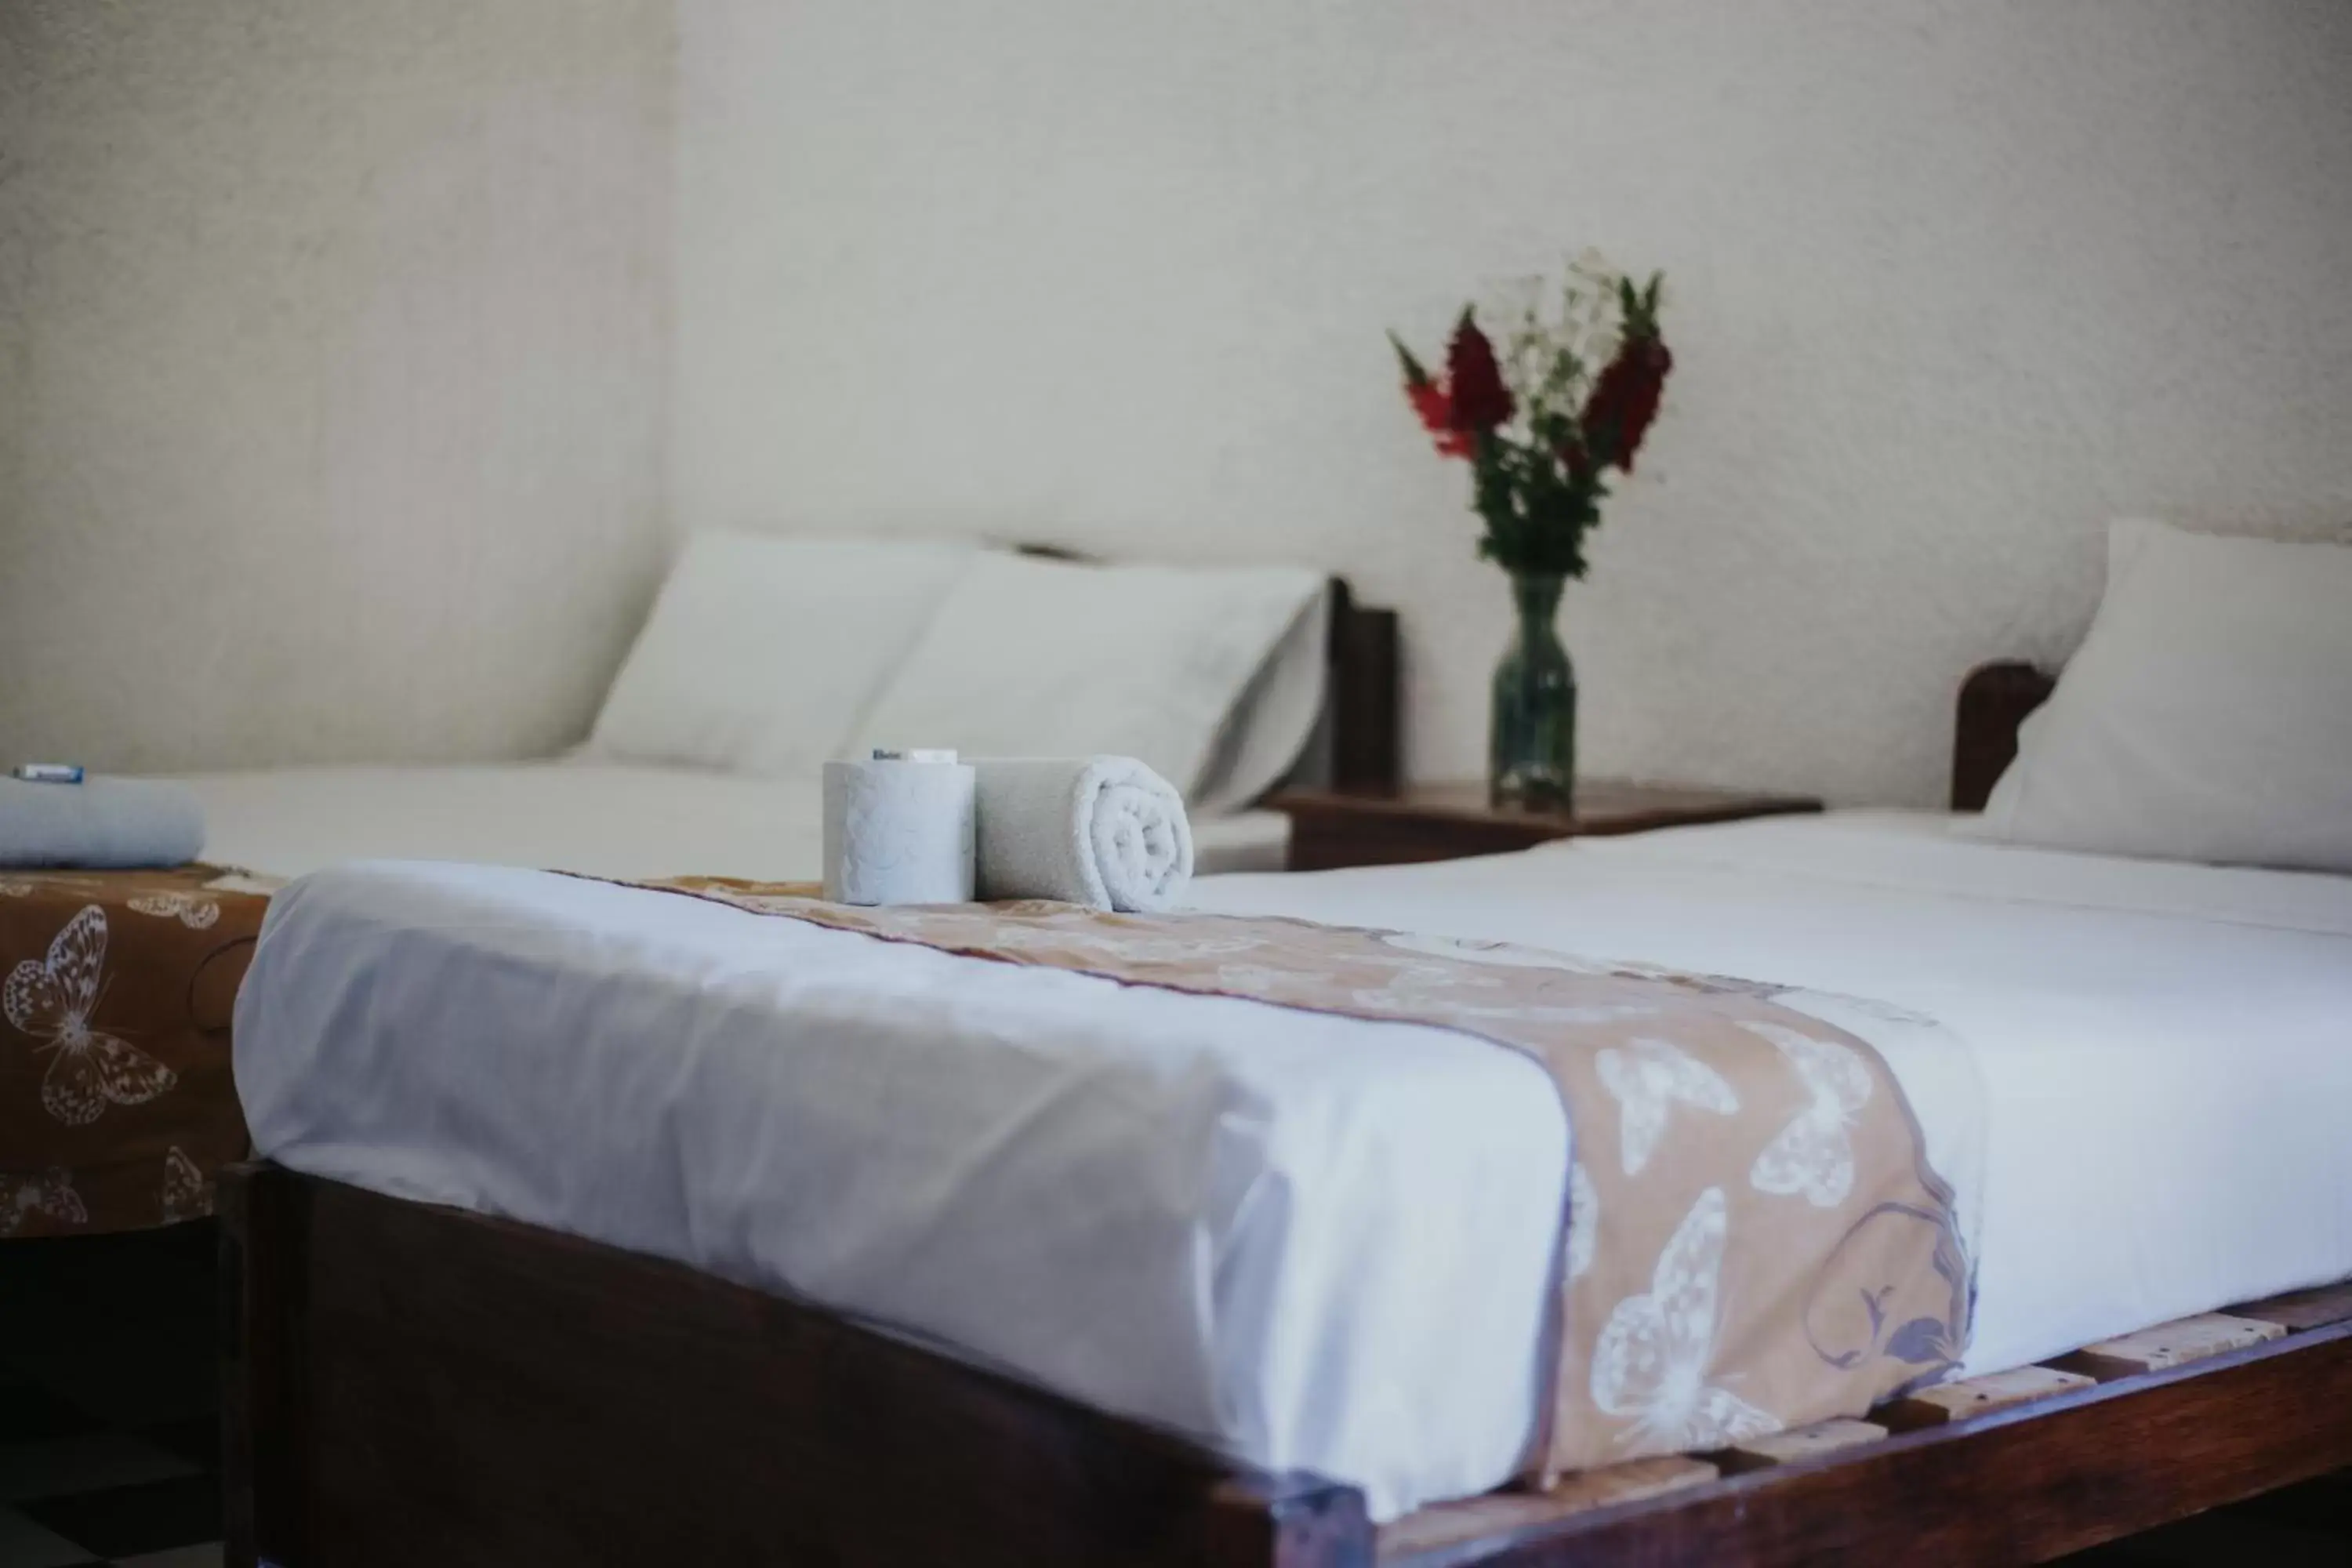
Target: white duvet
[{"x": 1312, "y": 1241}]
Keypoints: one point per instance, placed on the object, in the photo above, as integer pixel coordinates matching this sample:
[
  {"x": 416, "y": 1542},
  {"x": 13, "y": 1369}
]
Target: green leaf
[{"x": 1414, "y": 374}]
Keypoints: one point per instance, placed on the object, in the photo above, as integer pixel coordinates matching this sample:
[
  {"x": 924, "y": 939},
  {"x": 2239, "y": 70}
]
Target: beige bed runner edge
[{"x": 1755, "y": 1239}]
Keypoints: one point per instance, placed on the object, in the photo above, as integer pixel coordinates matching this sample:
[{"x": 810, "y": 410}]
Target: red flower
[
  {"x": 1435, "y": 408},
  {"x": 1474, "y": 382},
  {"x": 1436, "y": 411},
  {"x": 1625, "y": 398}
]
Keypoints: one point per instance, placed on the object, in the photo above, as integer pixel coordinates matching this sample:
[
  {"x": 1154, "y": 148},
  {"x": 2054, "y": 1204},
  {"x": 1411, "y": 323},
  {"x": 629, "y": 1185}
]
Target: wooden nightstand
[{"x": 1445, "y": 821}]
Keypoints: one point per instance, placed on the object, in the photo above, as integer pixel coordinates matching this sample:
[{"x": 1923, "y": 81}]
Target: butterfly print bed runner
[
  {"x": 1754, "y": 1238},
  {"x": 116, "y": 1101}
]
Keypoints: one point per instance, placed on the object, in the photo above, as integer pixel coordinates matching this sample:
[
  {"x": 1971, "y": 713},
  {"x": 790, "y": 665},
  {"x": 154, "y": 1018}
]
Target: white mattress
[
  {"x": 1315, "y": 1242},
  {"x": 573, "y": 816},
  {"x": 2166, "y": 1048}
]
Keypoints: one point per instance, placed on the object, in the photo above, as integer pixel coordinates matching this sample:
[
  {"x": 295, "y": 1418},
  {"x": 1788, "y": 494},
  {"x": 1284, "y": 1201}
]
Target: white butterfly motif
[
  {"x": 54, "y": 998},
  {"x": 196, "y": 914},
  {"x": 1652, "y": 1359},
  {"x": 50, "y": 1194},
  {"x": 1162, "y": 949},
  {"x": 1583, "y": 1219},
  {"x": 1647, "y": 1078},
  {"x": 1813, "y": 1155},
  {"x": 186, "y": 1193}
]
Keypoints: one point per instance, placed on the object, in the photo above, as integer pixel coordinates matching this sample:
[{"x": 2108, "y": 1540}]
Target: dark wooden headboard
[
  {"x": 1358, "y": 743},
  {"x": 1994, "y": 701},
  {"x": 1360, "y": 707}
]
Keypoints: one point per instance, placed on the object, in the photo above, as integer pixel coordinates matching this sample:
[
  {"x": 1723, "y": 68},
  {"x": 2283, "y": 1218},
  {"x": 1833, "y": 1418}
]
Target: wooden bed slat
[
  {"x": 2166, "y": 1344},
  {"x": 1451, "y": 1523},
  {"x": 2302, "y": 1309},
  {"x": 2022, "y": 1485},
  {"x": 1950, "y": 1402},
  {"x": 1799, "y": 1443}
]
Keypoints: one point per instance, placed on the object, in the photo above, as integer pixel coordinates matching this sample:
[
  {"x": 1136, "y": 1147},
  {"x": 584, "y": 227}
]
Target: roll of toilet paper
[{"x": 899, "y": 829}]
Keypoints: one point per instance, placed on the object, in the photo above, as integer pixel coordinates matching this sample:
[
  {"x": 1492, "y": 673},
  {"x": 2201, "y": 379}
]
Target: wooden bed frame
[
  {"x": 1359, "y": 745},
  {"x": 407, "y": 1384}
]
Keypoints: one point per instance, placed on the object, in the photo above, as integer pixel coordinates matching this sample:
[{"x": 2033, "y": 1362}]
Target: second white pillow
[
  {"x": 2207, "y": 715},
  {"x": 763, "y": 650},
  {"x": 1036, "y": 657}
]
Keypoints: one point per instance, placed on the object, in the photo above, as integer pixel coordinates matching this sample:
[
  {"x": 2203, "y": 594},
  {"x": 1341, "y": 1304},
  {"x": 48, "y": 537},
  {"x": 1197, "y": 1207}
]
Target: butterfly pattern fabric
[
  {"x": 1647, "y": 1079},
  {"x": 1812, "y": 1157},
  {"x": 48, "y": 1195},
  {"x": 117, "y": 993},
  {"x": 52, "y": 999},
  {"x": 185, "y": 1195},
  {"x": 196, "y": 914},
  {"x": 1652, "y": 1359},
  {"x": 1741, "y": 1172}
]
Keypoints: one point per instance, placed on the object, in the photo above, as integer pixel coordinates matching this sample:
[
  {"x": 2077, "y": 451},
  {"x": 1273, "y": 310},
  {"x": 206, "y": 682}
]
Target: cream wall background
[
  {"x": 333, "y": 338},
  {"x": 1953, "y": 281},
  {"x": 354, "y": 365}
]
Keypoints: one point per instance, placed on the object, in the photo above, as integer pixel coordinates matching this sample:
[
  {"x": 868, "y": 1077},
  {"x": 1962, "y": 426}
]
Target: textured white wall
[
  {"x": 332, "y": 353},
  {"x": 1952, "y": 282}
]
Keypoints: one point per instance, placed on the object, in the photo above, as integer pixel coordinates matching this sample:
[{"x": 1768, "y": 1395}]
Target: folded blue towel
[{"x": 100, "y": 823}]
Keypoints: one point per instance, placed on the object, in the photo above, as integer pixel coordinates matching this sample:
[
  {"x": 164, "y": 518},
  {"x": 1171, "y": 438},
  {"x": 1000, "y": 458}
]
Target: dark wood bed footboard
[{"x": 411, "y": 1384}]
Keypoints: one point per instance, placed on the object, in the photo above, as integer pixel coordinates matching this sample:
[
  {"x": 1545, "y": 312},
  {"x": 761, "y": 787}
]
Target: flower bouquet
[{"x": 1542, "y": 425}]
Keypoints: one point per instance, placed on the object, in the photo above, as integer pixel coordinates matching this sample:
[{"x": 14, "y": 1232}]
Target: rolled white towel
[
  {"x": 99, "y": 824},
  {"x": 1102, "y": 831}
]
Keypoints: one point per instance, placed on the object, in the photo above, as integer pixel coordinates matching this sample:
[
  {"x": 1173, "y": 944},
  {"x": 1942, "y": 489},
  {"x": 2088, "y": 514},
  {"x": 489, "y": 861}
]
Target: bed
[
  {"x": 582, "y": 814},
  {"x": 1309, "y": 694},
  {"x": 440, "y": 1353},
  {"x": 765, "y": 655}
]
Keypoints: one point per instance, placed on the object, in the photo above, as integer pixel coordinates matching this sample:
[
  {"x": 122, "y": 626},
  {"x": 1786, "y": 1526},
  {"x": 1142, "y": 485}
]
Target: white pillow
[
  {"x": 1038, "y": 658},
  {"x": 1276, "y": 718},
  {"x": 762, "y": 651},
  {"x": 2207, "y": 715}
]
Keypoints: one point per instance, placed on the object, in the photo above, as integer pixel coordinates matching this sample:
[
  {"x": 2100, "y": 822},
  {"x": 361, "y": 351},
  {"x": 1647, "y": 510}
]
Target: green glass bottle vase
[{"x": 1531, "y": 741}]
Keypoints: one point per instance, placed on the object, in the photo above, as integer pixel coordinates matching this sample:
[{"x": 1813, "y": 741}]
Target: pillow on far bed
[
  {"x": 2207, "y": 715},
  {"x": 1032, "y": 657},
  {"x": 763, "y": 650}
]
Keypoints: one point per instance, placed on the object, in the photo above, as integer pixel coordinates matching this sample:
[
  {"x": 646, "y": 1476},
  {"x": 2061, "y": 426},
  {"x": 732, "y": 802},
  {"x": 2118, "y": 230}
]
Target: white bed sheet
[
  {"x": 2166, "y": 1048},
  {"x": 600, "y": 819},
  {"x": 1316, "y": 1242}
]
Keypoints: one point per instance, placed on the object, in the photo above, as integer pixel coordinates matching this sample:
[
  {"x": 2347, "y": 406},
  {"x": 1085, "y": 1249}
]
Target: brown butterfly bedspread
[{"x": 116, "y": 1101}]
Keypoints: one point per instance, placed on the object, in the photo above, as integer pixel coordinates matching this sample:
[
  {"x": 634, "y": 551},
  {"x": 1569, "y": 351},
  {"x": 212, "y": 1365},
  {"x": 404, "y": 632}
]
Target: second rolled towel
[
  {"x": 1102, "y": 831},
  {"x": 100, "y": 823}
]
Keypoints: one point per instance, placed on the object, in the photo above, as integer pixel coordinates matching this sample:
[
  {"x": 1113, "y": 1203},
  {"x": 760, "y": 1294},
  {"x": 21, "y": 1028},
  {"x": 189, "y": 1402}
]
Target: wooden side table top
[{"x": 1443, "y": 821}]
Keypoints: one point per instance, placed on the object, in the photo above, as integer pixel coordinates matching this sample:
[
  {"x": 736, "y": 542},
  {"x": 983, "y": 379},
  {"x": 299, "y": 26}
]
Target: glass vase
[{"x": 1531, "y": 739}]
